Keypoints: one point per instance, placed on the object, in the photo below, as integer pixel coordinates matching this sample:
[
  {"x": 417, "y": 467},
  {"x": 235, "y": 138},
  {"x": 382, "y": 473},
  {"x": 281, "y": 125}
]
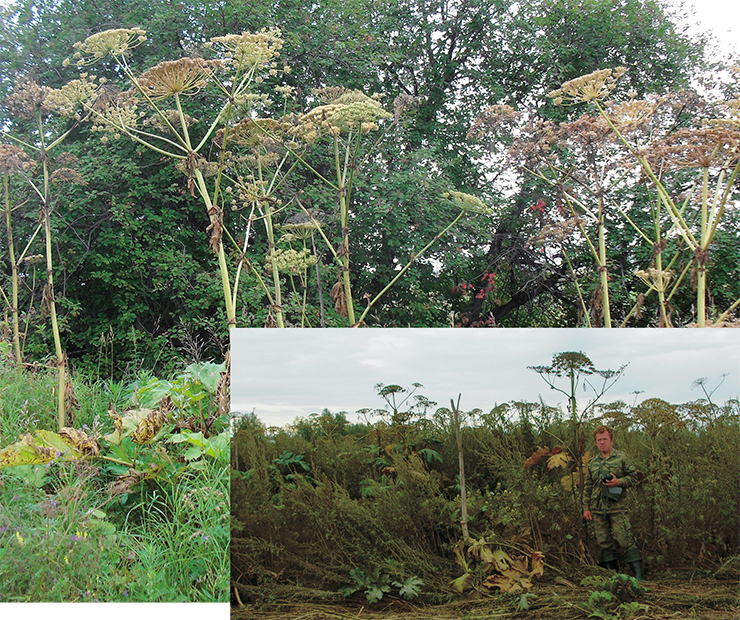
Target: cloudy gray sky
[{"x": 285, "y": 374}]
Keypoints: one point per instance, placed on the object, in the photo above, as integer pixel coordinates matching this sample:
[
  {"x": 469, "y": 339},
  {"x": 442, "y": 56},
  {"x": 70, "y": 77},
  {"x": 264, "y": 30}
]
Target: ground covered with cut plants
[
  {"x": 129, "y": 502},
  {"x": 670, "y": 595}
]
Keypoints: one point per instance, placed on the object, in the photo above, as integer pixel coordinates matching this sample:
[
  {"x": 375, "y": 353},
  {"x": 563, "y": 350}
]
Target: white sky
[
  {"x": 722, "y": 17},
  {"x": 285, "y": 374}
]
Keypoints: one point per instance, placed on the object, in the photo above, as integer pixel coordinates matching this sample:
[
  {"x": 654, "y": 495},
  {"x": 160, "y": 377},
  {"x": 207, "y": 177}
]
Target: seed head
[
  {"x": 351, "y": 110},
  {"x": 655, "y": 278},
  {"x": 14, "y": 160},
  {"x": 177, "y": 77},
  {"x": 27, "y": 99},
  {"x": 468, "y": 202},
  {"x": 596, "y": 85},
  {"x": 116, "y": 43},
  {"x": 247, "y": 51},
  {"x": 702, "y": 147},
  {"x": 290, "y": 261},
  {"x": 118, "y": 116},
  {"x": 70, "y": 98}
]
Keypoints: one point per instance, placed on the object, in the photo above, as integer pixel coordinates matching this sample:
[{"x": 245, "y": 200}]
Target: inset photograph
[{"x": 387, "y": 473}]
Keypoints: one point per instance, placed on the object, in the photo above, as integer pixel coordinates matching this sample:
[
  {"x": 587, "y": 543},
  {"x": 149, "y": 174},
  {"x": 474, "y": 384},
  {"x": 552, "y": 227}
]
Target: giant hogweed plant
[
  {"x": 711, "y": 148},
  {"x": 241, "y": 160},
  {"x": 33, "y": 137},
  {"x": 599, "y": 166}
]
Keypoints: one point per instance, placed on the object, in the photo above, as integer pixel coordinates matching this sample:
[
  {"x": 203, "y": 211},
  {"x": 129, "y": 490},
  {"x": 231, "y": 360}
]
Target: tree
[{"x": 576, "y": 368}]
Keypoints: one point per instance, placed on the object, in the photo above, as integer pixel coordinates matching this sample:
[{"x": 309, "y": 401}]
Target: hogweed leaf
[{"x": 409, "y": 589}]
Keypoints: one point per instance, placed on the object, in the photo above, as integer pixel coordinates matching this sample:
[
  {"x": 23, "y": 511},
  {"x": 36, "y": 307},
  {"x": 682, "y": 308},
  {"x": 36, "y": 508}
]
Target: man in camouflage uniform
[{"x": 608, "y": 474}]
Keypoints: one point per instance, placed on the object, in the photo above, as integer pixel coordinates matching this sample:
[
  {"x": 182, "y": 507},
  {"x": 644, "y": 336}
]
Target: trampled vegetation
[
  {"x": 329, "y": 515},
  {"x": 130, "y": 504}
]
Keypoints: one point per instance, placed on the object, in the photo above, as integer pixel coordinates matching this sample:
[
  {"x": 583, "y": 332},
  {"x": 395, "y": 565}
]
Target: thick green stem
[
  {"x": 223, "y": 267},
  {"x": 14, "y": 276},
  {"x": 59, "y": 354},
  {"x": 603, "y": 273},
  {"x": 278, "y": 305},
  {"x": 700, "y": 256},
  {"x": 344, "y": 219}
]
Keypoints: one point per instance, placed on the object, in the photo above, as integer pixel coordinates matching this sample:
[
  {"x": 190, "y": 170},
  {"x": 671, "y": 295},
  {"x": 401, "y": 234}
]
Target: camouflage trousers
[{"x": 613, "y": 528}]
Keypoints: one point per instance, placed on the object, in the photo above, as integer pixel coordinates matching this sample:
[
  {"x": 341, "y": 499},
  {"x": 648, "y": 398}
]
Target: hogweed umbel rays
[
  {"x": 591, "y": 87},
  {"x": 74, "y": 96},
  {"x": 177, "y": 77},
  {"x": 116, "y": 43}
]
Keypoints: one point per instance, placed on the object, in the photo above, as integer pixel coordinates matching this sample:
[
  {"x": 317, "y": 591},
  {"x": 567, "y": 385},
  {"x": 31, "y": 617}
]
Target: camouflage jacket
[{"x": 597, "y": 496}]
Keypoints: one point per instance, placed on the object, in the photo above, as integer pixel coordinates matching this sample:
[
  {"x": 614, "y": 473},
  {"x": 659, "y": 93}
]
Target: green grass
[{"x": 65, "y": 537}]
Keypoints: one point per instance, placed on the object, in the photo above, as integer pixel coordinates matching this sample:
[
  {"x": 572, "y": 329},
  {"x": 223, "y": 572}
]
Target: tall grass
[{"x": 65, "y": 537}]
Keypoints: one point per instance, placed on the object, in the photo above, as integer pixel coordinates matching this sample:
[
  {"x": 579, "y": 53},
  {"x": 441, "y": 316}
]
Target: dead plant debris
[{"x": 670, "y": 597}]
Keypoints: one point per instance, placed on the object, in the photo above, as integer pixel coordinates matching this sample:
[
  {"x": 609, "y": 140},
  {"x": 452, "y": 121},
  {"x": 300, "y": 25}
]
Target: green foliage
[
  {"x": 137, "y": 522},
  {"x": 313, "y": 495},
  {"x": 376, "y": 583},
  {"x": 615, "y": 599}
]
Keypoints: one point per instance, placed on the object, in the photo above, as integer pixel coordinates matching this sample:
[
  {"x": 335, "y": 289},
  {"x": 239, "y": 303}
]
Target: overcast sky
[
  {"x": 285, "y": 374},
  {"x": 721, "y": 17}
]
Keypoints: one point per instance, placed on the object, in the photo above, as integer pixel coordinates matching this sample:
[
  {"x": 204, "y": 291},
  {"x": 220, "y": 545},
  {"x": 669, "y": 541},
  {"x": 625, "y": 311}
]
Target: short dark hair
[{"x": 603, "y": 429}]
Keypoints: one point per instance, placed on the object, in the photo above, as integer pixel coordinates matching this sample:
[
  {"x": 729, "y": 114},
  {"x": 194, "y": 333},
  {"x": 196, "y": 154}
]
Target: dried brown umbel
[
  {"x": 177, "y": 77},
  {"x": 704, "y": 147},
  {"x": 67, "y": 175},
  {"x": 27, "y": 99},
  {"x": 632, "y": 115},
  {"x": 14, "y": 160},
  {"x": 493, "y": 121}
]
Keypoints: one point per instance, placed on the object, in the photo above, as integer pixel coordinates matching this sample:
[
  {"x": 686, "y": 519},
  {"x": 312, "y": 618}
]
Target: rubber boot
[
  {"x": 634, "y": 559},
  {"x": 609, "y": 559}
]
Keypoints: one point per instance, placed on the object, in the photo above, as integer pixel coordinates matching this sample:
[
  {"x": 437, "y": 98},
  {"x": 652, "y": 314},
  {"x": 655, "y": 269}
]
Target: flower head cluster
[
  {"x": 117, "y": 116},
  {"x": 731, "y": 109},
  {"x": 702, "y": 147},
  {"x": 655, "y": 278},
  {"x": 351, "y": 110},
  {"x": 249, "y": 51},
  {"x": 494, "y": 121},
  {"x": 177, "y": 77},
  {"x": 116, "y": 43},
  {"x": 249, "y": 191},
  {"x": 27, "y": 99},
  {"x": 67, "y": 175},
  {"x": 77, "y": 94},
  {"x": 13, "y": 159},
  {"x": 468, "y": 202},
  {"x": 302, "y": 225},
  {"x": 596, "y": 85},
  {"x": 257, "y": 132},
  {"x": 633, "y": 114},
  {"x": 557, "y": 232},
  {"x": 290, "y": 261}
]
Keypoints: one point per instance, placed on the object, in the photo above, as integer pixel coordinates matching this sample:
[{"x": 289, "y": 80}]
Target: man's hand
[
  {"x": 613, "y": 481},
  {"x": 587, "y": 515}
]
